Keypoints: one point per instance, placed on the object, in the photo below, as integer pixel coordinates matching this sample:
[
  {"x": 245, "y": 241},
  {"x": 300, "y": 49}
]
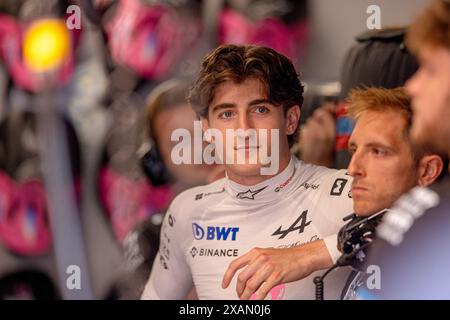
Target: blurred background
[{"x": 90, "y": 91}]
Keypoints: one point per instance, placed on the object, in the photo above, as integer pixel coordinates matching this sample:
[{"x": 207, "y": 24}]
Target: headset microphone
[{"x": 353, "y": 240}]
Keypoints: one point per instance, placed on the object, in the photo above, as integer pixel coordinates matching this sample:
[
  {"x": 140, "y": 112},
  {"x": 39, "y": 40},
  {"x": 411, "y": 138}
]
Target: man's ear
[
  {"x": 430, "y": 167},
  {"x": 292, "y": 119},
  {"x": 205, "y": 123}
]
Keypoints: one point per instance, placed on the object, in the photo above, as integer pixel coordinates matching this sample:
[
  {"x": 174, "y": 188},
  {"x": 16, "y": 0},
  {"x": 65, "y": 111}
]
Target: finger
[
  {"x": 324, "y": 116},
  {"x": 324, "y": 126},
  {"x": 272, "y": 281},
  {"x": 253, "y": 267},
  {"x": 304, "y": 134},
  {"x": 316, "y": 132},
  {"x": 234, "y": 266},
  {"x": 255, "y": 282},
  {"x": 330, "y": 107},
  {"x": 329, "y": 123}
]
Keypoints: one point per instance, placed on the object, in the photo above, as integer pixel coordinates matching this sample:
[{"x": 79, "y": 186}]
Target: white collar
[{"x": 265, "y": 190}]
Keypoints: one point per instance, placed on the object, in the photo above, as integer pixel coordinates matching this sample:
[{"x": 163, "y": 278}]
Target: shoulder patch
[
  {"x": 405, "y": 211},
  {"x": 199, "y": 196}
]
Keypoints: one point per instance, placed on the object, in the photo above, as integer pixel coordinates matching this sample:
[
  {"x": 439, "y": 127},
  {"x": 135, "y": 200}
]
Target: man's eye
[
  {"x": 378, "y": 152},
  {"x": 226, "y": 115},
  {"x": 261, "y": 109}
]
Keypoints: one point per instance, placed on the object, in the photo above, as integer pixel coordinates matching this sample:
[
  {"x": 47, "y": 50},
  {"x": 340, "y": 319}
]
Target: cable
[
  {"x": 353, "y": 239},
  {"x": 318, "y": 281}
]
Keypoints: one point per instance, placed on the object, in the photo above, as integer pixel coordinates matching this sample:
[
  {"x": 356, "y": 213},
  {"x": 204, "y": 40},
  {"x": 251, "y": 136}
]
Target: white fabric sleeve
[
  {"x": 170, "y": 278},
  {"x": 335, "y": 202},
  {"x": 331, "y": 243}
]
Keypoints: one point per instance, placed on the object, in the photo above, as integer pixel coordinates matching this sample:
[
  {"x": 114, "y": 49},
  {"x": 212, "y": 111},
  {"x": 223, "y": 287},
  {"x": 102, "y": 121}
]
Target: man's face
[
  {"x": 166, "y": 122},
  {"x": 246, "y": 106},
  {"x": 430, "y": 92},
  {"x": 382, "y": 165}
]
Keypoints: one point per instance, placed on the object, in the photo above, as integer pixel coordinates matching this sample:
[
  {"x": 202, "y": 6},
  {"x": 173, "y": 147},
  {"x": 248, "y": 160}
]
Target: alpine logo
[
  {"x": 294, "y": 227},
  {"x": 214, "y": 233},
  {"x": 249, "y": 194}
]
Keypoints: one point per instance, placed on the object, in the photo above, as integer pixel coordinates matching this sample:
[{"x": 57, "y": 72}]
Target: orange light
[{"x": 46, "y": 45}]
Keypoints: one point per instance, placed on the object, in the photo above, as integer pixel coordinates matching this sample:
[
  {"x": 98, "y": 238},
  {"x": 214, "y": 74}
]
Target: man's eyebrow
[
  {"x": 382, "y": 145},
  {"x": 221, "y": 106},
  {"x": 259, "y": 101},
  {"x": 373, "y": 145},
  {"x": 232, "y": 105},
  {"x": 352, "y": 144}
]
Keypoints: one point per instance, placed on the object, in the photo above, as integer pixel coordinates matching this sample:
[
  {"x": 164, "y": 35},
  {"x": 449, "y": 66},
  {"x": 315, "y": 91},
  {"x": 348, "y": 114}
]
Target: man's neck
[{"x": 255, "y": 179}]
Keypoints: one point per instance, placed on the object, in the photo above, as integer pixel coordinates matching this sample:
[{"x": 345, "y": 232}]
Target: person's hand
[
  {"x": 317, "y": 136},
  {"x": 267, "y": 268}
]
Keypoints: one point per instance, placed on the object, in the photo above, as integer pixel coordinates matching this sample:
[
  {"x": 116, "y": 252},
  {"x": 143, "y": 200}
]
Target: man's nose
[
  {"x": 245, "y": 122},
  {"x": 411, "y": 86},
  {"x": 356, "y": 165}
]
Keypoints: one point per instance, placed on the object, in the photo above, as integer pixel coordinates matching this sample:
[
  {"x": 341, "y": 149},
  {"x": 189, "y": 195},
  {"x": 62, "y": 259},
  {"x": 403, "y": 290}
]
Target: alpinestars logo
[
  {"x": 294, "y": 227},
  {"x": 249, "y": 194}
]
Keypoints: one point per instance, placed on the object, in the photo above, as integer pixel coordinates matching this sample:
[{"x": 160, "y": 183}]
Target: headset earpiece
[{"x": 154, "y": 167}]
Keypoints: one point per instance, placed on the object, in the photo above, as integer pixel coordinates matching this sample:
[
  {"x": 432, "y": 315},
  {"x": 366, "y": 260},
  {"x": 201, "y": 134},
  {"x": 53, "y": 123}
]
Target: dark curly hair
[{"x": 238, "y": 63}]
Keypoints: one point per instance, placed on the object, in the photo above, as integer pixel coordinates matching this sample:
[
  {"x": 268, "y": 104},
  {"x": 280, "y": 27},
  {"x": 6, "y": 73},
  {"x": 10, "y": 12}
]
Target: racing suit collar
[{"x": 266, "y": 190}]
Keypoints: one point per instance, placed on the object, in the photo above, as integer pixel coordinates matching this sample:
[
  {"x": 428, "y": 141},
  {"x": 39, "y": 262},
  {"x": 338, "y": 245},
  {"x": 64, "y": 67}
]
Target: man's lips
[{"x": 358, "y": 189}]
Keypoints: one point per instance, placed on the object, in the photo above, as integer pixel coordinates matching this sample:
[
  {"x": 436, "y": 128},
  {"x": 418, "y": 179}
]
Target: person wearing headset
[
  {"x": 255, "y": 94},
  {"x": 411, "y": 247},
  {"x": 167, "y": 111},
  {"x": 384, "y": 165}
]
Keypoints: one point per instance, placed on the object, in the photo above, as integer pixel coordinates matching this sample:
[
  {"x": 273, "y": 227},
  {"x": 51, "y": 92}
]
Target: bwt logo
[{"x": 214, "y": 233}]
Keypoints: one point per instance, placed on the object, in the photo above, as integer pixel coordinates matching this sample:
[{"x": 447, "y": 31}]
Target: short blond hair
[
  {"x": 431, "y": 27},
  {"x": 380, "y": 100}
]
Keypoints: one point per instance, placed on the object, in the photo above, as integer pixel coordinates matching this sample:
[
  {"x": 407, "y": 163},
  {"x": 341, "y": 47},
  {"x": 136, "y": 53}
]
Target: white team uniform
[{"x": 207, "y": 227}]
